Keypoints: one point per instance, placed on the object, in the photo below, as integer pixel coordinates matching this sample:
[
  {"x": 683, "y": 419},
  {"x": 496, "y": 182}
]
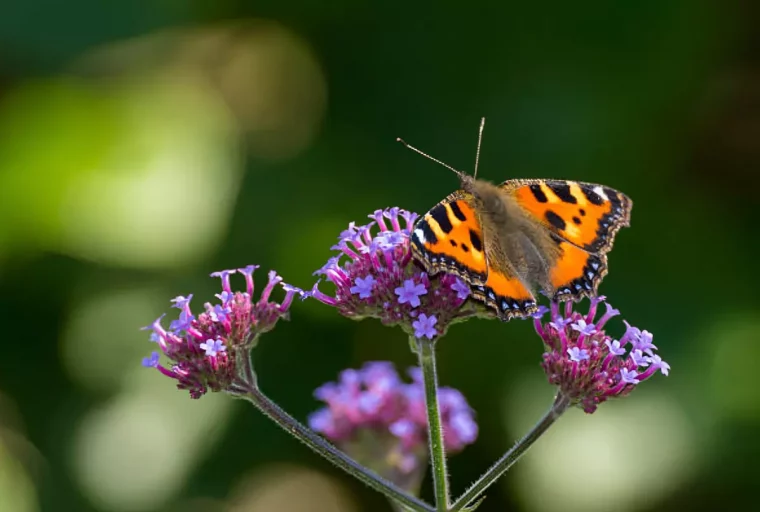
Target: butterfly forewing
[
  {"x": 449, "y": 238},
  {"x": 584, "y": 214}
]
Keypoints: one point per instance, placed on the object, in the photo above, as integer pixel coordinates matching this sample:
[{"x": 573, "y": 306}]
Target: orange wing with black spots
[
  {"x": 584, "y": 214},
  {"x": 505, "y": 294},
  {"x": 449, "y": 238},
  {"x": 576, "y": 273}
]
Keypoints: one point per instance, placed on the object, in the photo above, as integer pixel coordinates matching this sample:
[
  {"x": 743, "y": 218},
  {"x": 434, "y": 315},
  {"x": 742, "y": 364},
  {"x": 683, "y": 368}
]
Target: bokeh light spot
[
  {"x": 17, "y": 492},
  {"x": 136, "y": 452},
  {"x": 627, "y": 456},
  {"x": 101, "y": 341},
  {"x": 137, "y": 173},
  {"x": 17, "y": 456},
  {"x": 291, "y": 488},
  {"x": 732, "y": 350}
]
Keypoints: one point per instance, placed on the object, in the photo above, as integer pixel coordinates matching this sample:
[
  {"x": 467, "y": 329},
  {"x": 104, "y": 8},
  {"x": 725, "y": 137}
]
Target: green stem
[
  {"x": 561, "y": 404},
  {"x": 426, "y": 352},
  {"x": 249, "y": 391},
  {"x": 398, "y": 508}
]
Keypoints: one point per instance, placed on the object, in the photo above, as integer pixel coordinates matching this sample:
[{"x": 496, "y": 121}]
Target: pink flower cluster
[
  {"x": 587, "y": 364},
  {"x": 203, "y": 352},
  {"x": 375, "y": 399}
]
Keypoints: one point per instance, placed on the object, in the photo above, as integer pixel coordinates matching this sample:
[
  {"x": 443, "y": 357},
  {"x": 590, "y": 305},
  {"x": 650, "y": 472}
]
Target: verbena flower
[
  {"x": 204, "y": 352},
  {"x": 587, "y": 364},
  {"x": 381, "y": 421},
  {"x": 375, "y": 276}
]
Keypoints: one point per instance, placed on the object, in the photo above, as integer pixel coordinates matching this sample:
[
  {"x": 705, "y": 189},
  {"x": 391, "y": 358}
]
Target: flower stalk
[
  {"x": 426, "y": 352},
  {"x": 501, "y": 466},
  {"x": 324, "y": 448}
]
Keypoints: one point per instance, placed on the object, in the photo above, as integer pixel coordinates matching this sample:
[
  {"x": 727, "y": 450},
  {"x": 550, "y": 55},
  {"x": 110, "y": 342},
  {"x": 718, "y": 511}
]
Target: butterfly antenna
[
  {"x": 480, "y": 139},
  {"x": 447, "y": 166}
]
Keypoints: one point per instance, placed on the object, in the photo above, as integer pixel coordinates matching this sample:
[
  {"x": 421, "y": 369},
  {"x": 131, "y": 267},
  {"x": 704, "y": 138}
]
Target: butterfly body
[{"x": 510, "y": 241}]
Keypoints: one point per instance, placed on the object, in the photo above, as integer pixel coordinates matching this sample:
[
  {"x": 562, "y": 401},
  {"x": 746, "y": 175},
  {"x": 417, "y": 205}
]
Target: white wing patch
[{"x": 600, "y": 192}]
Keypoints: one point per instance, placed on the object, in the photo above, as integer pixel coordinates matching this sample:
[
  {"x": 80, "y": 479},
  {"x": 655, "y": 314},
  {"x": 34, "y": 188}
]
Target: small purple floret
[
  {"x": 181, "y": 302},
  {"x": 218, "y": 312},
  {"x": 151, "y": 361},
  {"x": 644, "y": 343},
  {"x": 213, "y": 347},
  {"x": 578, "y": 354},
  {"x": 463, "y": 291},
  {"x": 560, "y": 323},
  {"x": 410, "y": 293},
  {"x": 629, "y": 376},
  {"x": 582, "y": 327},
  {"x": 614, "y": 347},
  {"x": 424, "y": 326},
  {"x": 639, "y": 359},
  {"x": 225, "y": 277},
  {"x": 658, "y": 364},
  {"x": 363, "y": 287}
]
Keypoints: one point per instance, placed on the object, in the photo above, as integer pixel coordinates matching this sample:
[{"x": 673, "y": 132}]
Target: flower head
[
  {"x": 588, "y": 365},
  {"x": 375, "y": 275},
  {"x": 372, "y": 407},
  {"x": 203, "y": 351}
]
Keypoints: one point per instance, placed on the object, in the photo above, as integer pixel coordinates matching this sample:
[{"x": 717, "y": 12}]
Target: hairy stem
[
  {"x": 249, "y": 391},
  {"x": 561, "y": 404},
  {"x": 426, "y": 352}
]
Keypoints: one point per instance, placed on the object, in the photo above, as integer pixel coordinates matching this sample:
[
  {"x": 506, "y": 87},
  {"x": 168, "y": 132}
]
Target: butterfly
[{"x": 509, "y": 242}]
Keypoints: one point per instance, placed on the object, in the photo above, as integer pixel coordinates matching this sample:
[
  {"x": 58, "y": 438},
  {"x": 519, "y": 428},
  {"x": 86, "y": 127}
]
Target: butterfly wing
[
  {"x": 506, "y": 295},
  {"x": 576, "y": 273},
  {"x": 450, "y": 238},
  {"x": 585, "y": 214},
  {"x": 583, "y": 219}
]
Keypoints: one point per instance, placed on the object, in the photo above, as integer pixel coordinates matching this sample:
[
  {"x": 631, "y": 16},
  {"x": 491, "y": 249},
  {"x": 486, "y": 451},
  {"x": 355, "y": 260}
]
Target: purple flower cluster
[
  {"x": 375, "y": 276},
  {"x": 588, "y": 365},
  {"x": 374, "y": 403},
  {"x": 204, "y": 351}
]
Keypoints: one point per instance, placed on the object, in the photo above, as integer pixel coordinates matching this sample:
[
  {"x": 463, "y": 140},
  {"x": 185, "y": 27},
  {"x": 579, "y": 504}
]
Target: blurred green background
[{"x": 144, "y": 145}]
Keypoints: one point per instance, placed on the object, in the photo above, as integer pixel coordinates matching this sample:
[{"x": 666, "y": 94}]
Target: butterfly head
[
  {"x": 467, "y": 182},
  {"x": 489, "y": 198}
]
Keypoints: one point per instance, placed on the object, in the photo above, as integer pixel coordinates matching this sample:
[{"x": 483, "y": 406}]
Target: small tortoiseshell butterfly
[{"x": 509, "y": 241}]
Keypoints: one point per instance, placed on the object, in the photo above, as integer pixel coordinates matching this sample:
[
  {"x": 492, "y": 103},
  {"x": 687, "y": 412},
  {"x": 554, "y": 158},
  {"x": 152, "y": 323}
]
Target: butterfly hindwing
[
  {"x": 506, "y": 295},
  {"x": 449, "y": 238},
  {"x": 576, "y": 273},
  {"x": 584, "y": 214}
]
